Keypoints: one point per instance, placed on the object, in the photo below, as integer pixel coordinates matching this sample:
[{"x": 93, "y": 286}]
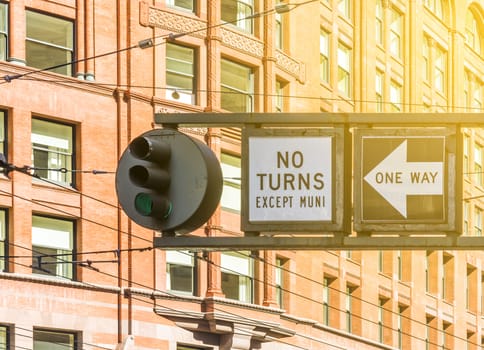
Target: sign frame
[
  {"x": 404, "y": 225},
  {"x": 340, "y": 191}
]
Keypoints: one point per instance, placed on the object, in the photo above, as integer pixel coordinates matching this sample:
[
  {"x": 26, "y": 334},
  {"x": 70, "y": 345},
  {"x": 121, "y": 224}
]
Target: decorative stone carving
[
  {"x": 179, "y": 23},
  {"x": 291, "y": 66},
  {"x": 242, "y": 43},
  {"x": 158, "y": 18}
]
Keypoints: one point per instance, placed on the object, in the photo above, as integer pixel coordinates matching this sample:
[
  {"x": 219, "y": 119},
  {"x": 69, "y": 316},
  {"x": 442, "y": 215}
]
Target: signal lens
[{"x": 143, "y": 204}]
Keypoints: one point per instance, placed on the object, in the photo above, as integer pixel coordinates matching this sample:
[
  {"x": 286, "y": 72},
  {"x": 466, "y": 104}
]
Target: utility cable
[
  {"x": 149, "y": 42},
  {"x": 469, "y": 109}
]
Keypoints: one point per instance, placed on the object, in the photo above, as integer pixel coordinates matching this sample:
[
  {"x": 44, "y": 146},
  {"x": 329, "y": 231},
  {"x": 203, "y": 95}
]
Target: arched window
[
  {"x": 436, "y": 7},
  {"x": 472, "y": 32}
]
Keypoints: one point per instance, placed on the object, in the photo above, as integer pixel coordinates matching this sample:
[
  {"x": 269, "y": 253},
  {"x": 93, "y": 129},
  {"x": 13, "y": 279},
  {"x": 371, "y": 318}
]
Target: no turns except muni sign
[
  {"x": 402, "y": 178},
  {"x": 290, "y": 179}
]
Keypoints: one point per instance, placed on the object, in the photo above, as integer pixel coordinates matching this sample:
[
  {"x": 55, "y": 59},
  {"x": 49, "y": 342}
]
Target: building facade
[{"x": 79, "y": 79}]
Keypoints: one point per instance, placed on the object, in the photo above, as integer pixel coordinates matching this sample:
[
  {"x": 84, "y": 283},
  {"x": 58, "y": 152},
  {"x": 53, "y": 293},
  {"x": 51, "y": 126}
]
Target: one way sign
[
  {"x": 402, "y": 180},
  {"x": 395, "y": 178}
]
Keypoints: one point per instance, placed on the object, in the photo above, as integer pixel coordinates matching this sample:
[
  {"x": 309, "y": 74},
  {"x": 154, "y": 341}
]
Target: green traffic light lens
[{"x": 143, "y": 204}]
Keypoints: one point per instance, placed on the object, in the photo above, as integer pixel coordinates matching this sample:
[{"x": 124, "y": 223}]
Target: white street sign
[
  {"x": 394, "y": 178},
  {"x": 290, "y": 178}
]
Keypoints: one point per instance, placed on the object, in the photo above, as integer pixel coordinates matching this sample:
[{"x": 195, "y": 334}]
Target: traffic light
[{"x": 168, "y": 181}]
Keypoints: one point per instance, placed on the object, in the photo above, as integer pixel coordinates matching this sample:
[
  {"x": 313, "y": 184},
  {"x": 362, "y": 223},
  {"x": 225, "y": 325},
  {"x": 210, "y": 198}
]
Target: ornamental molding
[
  {"x": 162, "y": 18},
  {"x": 240, "y": 42},
  {"x": 291, "y": 66}
]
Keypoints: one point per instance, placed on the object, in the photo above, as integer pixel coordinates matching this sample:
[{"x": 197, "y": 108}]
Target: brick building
[{"x": 77, "y": 274}]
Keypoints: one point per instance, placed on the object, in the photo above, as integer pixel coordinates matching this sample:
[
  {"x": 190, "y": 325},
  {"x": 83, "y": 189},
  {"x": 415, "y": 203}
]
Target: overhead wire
[
  {"x": 129, "y": 48},
  {"x": 149, "y": 42},
  {"x": 149, "y": 248},
  {"x": 265, "y": 94},
  {"x": 242, "y": 317}
]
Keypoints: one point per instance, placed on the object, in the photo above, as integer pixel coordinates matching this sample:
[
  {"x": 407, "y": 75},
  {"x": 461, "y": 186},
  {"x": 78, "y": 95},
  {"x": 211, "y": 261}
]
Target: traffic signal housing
[{"x": 168, "y": 181}]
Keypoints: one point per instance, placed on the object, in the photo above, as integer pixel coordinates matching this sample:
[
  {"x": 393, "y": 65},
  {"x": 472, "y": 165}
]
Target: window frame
[
  {"x": 5, "y": 31},
  {"x": 6, "y": 330},
  {"x": 379, "y": 22},
  {"x": 243, "y": 22},
  {"x": 379, "y": 89},
  {"x": 248, "y": 296},
  {"x": 471, "y": 37},
  {"x": 232, "y": 178},
  {"x": 396, "y": 32},
  {"x": 173, "y": 4},
  {"x": 70, "y": 173},
  {"x": 180, "y": 90},
  {"x": 324, "y": 54},
  {"x": 249, "y": 95},
  {"x": 345, "y": 69},
  {"x": 478, "y": 164},
  {"x": 4, "y": 263},
  {"x": 76, "y": 343},
  {"x": 396, "y": 96},
  {"x": 69, "y": 63},
  {"x": 440, "y": 67},
  {"x": 70, "y": 272},
  {"x": 193, "y": 269}
]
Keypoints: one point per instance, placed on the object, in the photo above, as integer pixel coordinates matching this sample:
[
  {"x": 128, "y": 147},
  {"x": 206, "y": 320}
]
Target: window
[
  {"x": 3, "y": 241},
  {"x": 448, "y": 277},
  {"x": 344, "y": 70},
  {"x": 3, "y": 31},
  {"x": 396, "y": 30},
  {"x": 466, "y": 218},
  {"x": 231, "y": 184},
  {"x": 476, "y": 102},
  {"x": 482, "y": 294},
  {"x": 4, "y": 337},
  {"x": 427, "y": 271},
  {"x": 279, "y": 281},
  {"x": 381, "y": 317},
  {"x": 379, "y": 22},
  {"x": 183, "y": 4},
  {"x": 52, "y": 150},
  {"x": 472, "y": 32},
  {"x": 237, "y": 87},
  {"x": 380, "y": 261},
  {"x": 239, "y": 13},
  {"x": 429, "y": 332},
  {"x": 379, "y": 78},
  {"x": 3, "y": 132},
  {"x": 349, "y": 308},
  {"x": 324, "y": 56},
  {"x": 237, "y": 276},
  {"x": 400, "y": 321},
  {"x": 471, "y": 288},
  {"x": 399, "y": 265},
  {"x": 478, "y": 164},
  {"x": 426, "y": 59},
  {"x": 53, "y": 243},
  {"x": 54, "y": 340},
  {"x": 326, "y": 300},
  {"x": 180, "y": 73},
  {"x": 344, "y": 8},
  {"x": 279, "y": 98},
  {"x": 183, "y": 347},
  {"x": 49, "y": 42},
  {"x": 477, "y": 221},
  {"x": 180, "y": 271},
  {"x": 396, "y": 97},
  {"x": 436, "y": 7},
  {"x": 439, "y": 69},
  {"x": 466, "y": 151},
  {"x": 279, "y": 28}
]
